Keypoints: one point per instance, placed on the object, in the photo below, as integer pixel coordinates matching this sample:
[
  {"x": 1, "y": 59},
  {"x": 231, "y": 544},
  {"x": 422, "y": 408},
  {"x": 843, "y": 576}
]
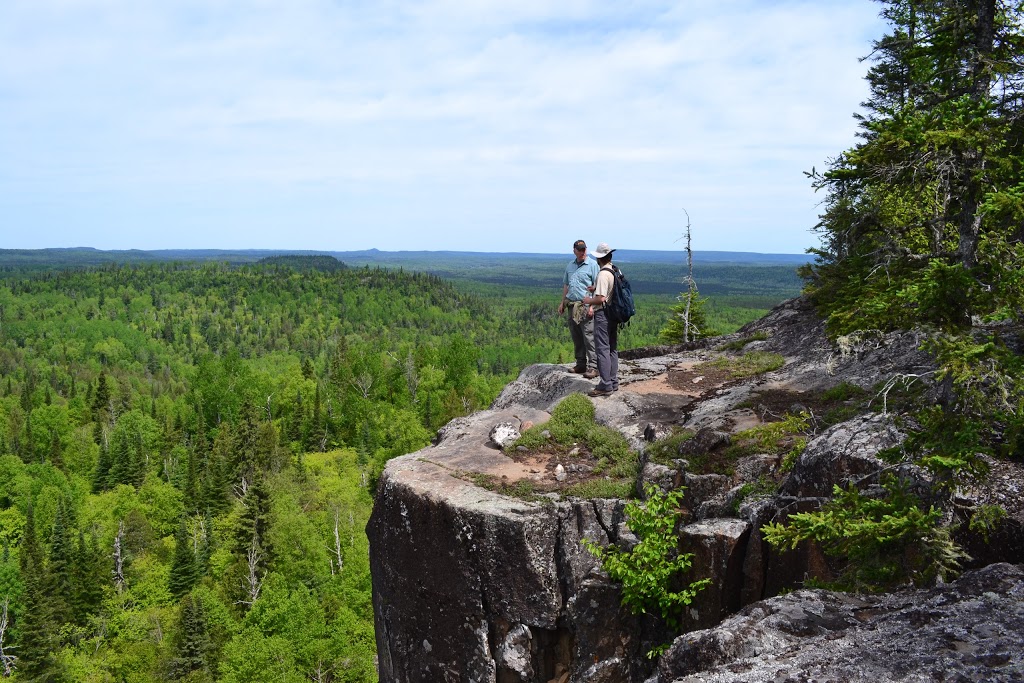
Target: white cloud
[{"x": 421, "y": 121}]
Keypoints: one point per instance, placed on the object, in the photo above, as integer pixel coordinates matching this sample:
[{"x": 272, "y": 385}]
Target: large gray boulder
[{"x": 968, "y": 630}]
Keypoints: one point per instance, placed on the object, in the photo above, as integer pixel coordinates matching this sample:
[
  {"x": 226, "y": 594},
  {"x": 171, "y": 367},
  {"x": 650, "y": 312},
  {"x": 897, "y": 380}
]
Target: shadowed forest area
[{"x": 188, "y": 450}]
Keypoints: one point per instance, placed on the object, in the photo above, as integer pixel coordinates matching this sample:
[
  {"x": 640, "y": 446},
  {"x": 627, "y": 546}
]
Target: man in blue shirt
[{"x": 580, "y": 274}]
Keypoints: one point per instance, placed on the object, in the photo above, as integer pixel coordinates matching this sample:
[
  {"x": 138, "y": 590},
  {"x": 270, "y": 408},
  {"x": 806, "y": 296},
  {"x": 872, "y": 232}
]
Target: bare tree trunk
[
  {"x": 337, "y": 540},
  {"x": 689, "y": 281},
  {"x": 253, "y": 580},
  {"x": 7, "y": 660},
  {"x": 119, "y": 558}
]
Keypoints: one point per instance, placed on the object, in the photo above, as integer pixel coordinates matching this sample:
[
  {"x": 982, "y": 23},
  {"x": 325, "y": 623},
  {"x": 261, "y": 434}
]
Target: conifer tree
[
  {"x": 101, "y": 399},
  {"x": 90, "y": 575},
  {"x": 192, "y": 644},
  {"x": 216, "y": 486},
  {"x": 101, "y": 475},
  {"x": 56, "y": 451},
  {"x": 36, "y": 625},
  {"x": 923, "y": 217},
  {"x": 190, "y": 490},
  {"x": 60, "y": 580},
  {"x": 184, "y": 570},
  {"x": 254, "y": 523},
  {"x": 922, "y": 220}
]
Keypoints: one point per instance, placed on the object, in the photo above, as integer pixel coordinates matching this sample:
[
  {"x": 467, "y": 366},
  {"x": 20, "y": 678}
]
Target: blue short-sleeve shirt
[{"x": 579, "y": 276}]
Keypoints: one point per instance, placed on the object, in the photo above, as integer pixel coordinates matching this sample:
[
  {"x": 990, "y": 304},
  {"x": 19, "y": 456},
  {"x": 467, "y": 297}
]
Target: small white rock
[{"x": 560, "y": 474}]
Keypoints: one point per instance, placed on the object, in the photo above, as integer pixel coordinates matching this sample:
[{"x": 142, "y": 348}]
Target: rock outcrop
[
  {"x": 471, "y": 585},
  {"x": 968, "y": 630}
]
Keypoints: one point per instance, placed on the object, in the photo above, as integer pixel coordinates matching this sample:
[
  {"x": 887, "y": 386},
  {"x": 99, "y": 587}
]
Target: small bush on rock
[
  {"x": 650, "y": 573},
  {"x": 887, "y": 541}
]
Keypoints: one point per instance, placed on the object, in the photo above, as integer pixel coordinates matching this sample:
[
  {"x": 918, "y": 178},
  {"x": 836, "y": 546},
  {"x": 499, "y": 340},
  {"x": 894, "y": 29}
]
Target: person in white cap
[{"x": 606, "y": 333}]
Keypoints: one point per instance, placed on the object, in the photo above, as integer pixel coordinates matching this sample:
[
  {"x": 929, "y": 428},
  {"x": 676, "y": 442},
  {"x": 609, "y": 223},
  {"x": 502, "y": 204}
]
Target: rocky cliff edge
[{"x": 471, "y": 585}]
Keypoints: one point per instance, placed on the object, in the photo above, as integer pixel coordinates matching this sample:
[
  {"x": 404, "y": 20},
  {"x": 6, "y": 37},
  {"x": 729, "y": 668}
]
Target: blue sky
[{"x": 488, "y": 125}]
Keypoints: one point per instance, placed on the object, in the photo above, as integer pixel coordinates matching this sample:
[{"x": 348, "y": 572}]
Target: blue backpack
[{"x": 620, "y": 307}]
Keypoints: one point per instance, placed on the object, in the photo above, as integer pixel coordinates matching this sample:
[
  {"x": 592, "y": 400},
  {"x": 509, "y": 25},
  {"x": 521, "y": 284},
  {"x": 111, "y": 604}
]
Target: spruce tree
[
  {"x": 36, "y": 626},
  {"x": 90, "y": 573},
  {"x": 216, "y": 486},
  {"x": 60, "y": 572},
  {"x": 922, "y": 220},
  {"x": 101, "y": 399},
  {"x": 184, "y": 570},
  {"x": 192, "y": 642},
  {"x": 254, "y": 522},
  {"x": 101, "y": 475}
]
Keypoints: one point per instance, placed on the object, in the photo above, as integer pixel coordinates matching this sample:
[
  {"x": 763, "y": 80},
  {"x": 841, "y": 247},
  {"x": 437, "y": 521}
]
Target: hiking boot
[
  {"x": 599, "y": 392},
  {"x": 578, "y": 371},
  {"x": 590, "y": 374}
]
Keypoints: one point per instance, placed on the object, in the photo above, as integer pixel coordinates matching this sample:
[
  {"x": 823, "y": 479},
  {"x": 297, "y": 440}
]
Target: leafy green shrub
[
  {"x": 886, "y": 541},
  {"x": 748, "y": 365},
  {"x": 650, "y": 572},
  {"x": 790, "y": 458}
]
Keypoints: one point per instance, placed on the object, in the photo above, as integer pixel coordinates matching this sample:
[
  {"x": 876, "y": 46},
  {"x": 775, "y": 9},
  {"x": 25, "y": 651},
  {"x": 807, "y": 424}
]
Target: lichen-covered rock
[
  {"x": 968, "y": 630},
  {"x": 845, "y": 453},
  {"x": 470, "y": 585},
  {"x": 703, "y": 488}
]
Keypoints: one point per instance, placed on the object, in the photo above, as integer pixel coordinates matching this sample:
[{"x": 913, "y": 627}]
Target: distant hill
[
  {"x": 375, "y": 256},
  {"x": 651, "y": 272},
  {"x": 419, "y": 260}
]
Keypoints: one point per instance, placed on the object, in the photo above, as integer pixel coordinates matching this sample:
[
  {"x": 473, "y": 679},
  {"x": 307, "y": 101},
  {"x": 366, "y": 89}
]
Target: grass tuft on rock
[
  {"x": 747, "y": 365},
  {"x": 572, "y": 426}
]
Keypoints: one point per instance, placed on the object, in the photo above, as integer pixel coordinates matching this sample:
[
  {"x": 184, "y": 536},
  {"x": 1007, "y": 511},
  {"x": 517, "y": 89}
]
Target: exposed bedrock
[
  {"x": 470, "y": 585},
  {"x": 968, "y": 630}
]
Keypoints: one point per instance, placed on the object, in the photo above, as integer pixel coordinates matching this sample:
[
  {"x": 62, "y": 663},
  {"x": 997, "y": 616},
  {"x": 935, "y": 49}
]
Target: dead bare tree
[
  {"x": 412, "y": 377},
  {"x": 169, "y": 465},
  {"x": 253, "y": 579},
  {"x": 691, "y": 286},
  {"x": 7, "y": 660},
  {"x": 119, "y": 558},
  {"x": 322, "y": 672},
  {"x": 364, "y": 383},
  {"x": 337, "y": 541}
]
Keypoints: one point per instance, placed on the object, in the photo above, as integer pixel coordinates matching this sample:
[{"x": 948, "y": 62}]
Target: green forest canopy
[{"x": 188, "y": 451}]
